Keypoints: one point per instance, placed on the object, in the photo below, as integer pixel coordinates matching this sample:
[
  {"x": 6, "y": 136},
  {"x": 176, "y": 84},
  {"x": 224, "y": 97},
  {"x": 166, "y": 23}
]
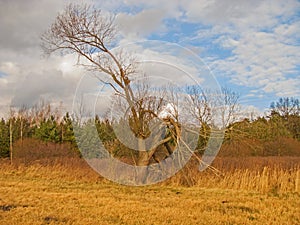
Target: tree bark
[
  {"x": 10, "y": 141},
  {"x": 143, "y": 159}
]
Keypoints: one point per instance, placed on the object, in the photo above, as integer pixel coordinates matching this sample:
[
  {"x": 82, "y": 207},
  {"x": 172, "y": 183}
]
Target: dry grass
[
  {"x": 273, "y": 181},
  {"x": 265, "y": 175},
  {"x": 68, "y": 192}
]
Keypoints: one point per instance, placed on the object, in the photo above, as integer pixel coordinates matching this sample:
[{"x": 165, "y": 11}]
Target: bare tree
[
  {"x": 198, "y": 105},
  {"x": 200, "y": 109},
  {"x": 213, "y": 107},
  {"x": 90, "y": 34},
  {"x": 11, "y": 134},
  {"x": 22, "y": 116},
  {"x": 286, "y": 107},
  {"x": 231, "y": 106},
  {"x": 214, "y": 111}
]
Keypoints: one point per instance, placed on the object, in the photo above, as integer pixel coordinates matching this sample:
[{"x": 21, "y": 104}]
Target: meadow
[{"x": 66, "y": 191}]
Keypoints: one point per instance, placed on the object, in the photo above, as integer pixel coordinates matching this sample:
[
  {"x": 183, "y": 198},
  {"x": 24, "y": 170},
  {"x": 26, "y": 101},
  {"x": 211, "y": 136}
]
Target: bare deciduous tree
[
  {"x": 214, "y": 111},
  {"x": 229, "y": 107},
  {"x": 286, "y": 107},
  {"x": 213, "y": 107},
  {"x": 89, "y": 33}
]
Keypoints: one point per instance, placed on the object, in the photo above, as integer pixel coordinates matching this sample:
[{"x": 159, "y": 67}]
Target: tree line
[{"x": 277, "y": 133}]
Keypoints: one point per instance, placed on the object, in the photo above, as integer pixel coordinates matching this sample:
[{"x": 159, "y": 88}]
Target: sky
[{"x": 251, "y": 47}]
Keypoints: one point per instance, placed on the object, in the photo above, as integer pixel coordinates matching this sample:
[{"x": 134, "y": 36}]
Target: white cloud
[
  {"x": 22, "y": 22},
  {"x": 249, "y": 111},
  {"x": 287, "y": 88},
  {"x": 171, "y": 62},
  {"x": 216, "y": 12},
  {"x": 259, "y": 59},
  {"x": 141, "y": 24},
  {"x": 26, "y": 84}
]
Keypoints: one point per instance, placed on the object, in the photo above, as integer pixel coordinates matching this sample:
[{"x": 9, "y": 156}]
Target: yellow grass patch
[{"x": 58, "y": 195}]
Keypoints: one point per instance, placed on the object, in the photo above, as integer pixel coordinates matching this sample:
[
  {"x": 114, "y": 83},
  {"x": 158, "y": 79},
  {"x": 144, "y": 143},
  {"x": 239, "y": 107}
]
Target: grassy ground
[{"x": 53, "y": 195}]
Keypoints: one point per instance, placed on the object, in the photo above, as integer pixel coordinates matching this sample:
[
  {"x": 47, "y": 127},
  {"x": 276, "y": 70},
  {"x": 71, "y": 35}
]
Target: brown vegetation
[
  {"x": 244, "y": 147},
  {"x": 261, "y": 174}
]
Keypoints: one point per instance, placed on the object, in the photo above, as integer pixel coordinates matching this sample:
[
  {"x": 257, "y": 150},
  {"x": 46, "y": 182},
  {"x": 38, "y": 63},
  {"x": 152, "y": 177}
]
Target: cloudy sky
[{"x": 252, "y": 47}]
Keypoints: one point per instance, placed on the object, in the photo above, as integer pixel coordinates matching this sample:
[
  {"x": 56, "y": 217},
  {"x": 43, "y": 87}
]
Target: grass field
[{"x": 59, "y": 194}]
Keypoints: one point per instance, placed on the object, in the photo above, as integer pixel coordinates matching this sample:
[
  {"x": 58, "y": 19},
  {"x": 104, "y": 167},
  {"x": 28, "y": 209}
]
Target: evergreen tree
[{"x": 4, "y": 139}]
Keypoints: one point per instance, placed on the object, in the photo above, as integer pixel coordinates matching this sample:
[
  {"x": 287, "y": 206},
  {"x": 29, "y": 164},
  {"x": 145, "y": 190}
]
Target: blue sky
[{"x": 252, "y": 47}]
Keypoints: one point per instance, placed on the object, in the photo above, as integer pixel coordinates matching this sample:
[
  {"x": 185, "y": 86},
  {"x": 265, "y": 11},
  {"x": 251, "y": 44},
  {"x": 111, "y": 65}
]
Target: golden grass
[
  {"x": 265, "y": 175},
  {"x": 274, "y": 181},
  {"x": 69, "y": 194}
]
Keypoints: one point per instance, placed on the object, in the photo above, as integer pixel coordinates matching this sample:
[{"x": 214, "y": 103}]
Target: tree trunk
[
  {"x": 143, "y": 158},
  {"x": 21, "y": 131},
  {"x": 142, "y": 162},
  {"x": 10, "y": 141}
]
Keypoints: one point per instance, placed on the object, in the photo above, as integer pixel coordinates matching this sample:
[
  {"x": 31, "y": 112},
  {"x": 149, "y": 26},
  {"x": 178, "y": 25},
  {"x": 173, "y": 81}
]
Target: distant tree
[
  {"x": 293, "y": 124},
  {"x": 212, "y": 109},
  {"x": 67, "y": 133},
  {"x": 48, "y": 130},
  {"x": 286, "y": 107},
  {"x": 4, "y": 138},
  {"x": 289, "y": 109}
]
